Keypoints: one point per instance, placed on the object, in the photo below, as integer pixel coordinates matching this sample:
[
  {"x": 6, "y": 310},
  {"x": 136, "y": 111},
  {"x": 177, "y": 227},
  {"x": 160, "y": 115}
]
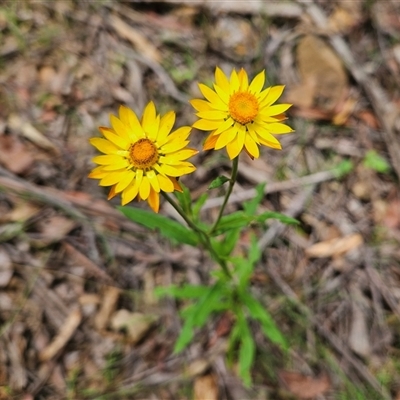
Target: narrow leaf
[
  {"x": 167, "y": 227},
  {"x": 217, "y": 182}
]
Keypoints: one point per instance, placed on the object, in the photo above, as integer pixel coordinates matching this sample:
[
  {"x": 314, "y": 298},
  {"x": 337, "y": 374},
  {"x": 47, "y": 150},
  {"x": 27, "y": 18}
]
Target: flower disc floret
[
  {"x": 142, "y": 158},
  {"x": 243, "y": 107},
  {"x": 143, "y": 154},
  {"x": 239, "y": 114}
]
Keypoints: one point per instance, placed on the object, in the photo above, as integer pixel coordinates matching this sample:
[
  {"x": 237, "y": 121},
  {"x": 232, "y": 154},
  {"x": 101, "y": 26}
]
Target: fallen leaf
[
  {"x": 335, "y": 247},
  {"x": 53, "y": 229},
  {"x": 30, "y": 132},
  {"x": 303, "y": 386},
  {"x": 14, "y": 154},
  {"x": 323, "y": 78},
  {"x": 205, "y": 388},
  {"x": 136, "y": 324},
  {"x": 143, "y": 45},
  {"x": 346, "y": 16}
]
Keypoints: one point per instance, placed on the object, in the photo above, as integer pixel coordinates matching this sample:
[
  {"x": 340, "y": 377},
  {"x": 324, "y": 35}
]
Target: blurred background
[{"x": 78, "y": 316}]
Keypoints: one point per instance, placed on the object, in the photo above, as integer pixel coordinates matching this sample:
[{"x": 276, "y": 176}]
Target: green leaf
[
  {"x": 376, "y": 162},
  {"x": 247, "y": 352},
  {"x": 184, "y": 199},
  {"x": 198, "y": 205},
  {"x": 183, "y": 292},
  {"x": 343, "y": 169},
  {"x": 254, "y": 251},
  {"x": 258, "y": 312},
  {"x": 167, "y": 227},
  {"x": 229, "y": 242},
  {"x": 278, "y": 216},
  {"x": 185, "y": 337},
  {"x": 206, "y": 305},
  {"x": 250, "y": 207},
  {"x": 235, "y": 220},
  {"x": 217, "y": 182}
]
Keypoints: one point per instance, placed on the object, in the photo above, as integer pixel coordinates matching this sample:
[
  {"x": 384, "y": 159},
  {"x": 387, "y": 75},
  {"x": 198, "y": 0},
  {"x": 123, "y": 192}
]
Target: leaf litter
[{"x": 76, "y": 303}]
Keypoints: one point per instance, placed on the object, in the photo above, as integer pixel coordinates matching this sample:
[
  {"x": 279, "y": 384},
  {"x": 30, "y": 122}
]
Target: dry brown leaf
[
  {"x": 303, "y": 386},
  {"x": 142, "y": 44},
  {"x": 324, "y": 82},
  {"x": 136, "y": 324},
  {"x": 21, "y": 212},
  {"x": 30, "y": 132},
  {"x": 14, "y": 155},
  {"x": 335, "y": 247},
  {"x": 205, "y": 387},
  {"x": 53, "y": 229},
  {"x": 345, "y": 17}
]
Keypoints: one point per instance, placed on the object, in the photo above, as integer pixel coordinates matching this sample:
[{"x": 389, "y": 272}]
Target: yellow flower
[
  {"x": 142, "y": 158},
  {"x": 240, "y": 115}
]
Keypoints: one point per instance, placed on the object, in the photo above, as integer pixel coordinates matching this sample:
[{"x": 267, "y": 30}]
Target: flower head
[
  {"x": 240, "y": 115},
  {"x": 142, "y": 158}
]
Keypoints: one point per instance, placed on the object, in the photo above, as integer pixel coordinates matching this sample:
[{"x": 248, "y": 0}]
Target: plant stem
[
  {"x": 203, "y": 236},
  {"x": 232, "y": 181}
]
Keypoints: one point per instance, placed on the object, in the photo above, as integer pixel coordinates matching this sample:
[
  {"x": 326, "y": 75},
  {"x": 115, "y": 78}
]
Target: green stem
[
  {"x": 203, "y": 236},
  {"x": 232, "y": 181}
]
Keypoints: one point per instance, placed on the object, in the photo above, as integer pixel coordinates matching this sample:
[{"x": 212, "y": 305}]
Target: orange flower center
[
  {"x": 243, "y": 107},
  {"x": 143, "y": 154}
]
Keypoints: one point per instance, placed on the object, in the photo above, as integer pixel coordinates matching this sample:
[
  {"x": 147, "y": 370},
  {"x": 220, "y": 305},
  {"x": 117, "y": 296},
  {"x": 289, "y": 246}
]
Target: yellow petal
[
  {"x": 221, "y": 80},
  {"x": 150, "y": 121},
  {"x": 274, "y": 110},
  {"x": 179, "y": 135},
  {"x": 111, "y": 193},
  {"x": 144, "y": 189},
  {"x": 165, "y": 183},
  {"x": 243, "y": 79},
  {"x": 215, "y": 101},
  {"x": 224, "y": 126},
  {"x": 120, "y": 128},
  {"x": 200, "y": 105},
  {"x": 183, "y": 154},
  {"x": 166, "y": 124},
  {"x": 270, "y": 143},
  {"x": 273, "y": 95},
  {"x": 152, "y": 177},
  {"x": 108, "y": 159},
  {"x": 129, "y": 193},
  {"x": 97, "y": 173},
  {"x": 171, "y": 147},
  {"x": 103, "y": 145},
  {"x": 214, "y": 115},
  {"x": 112, "y": 178},
  {"x": 234, "y": 82},
  {"x": 224, "y": 96},
  {"x": 207, "y": 125},
  {"x": 178, "y": 170},
  {"x": 278, "y": 128},
  {"x": 125, "y": 181},
  {"x": 225, "y": 137},
  {"x": 257, "y": 83},
  {"x": 154, "y": 200},
  {"x": 210, "y": 142},
  {"x": 177, "y": 186},
  {"x": 110, "y": 135},
  {"x": 251, "y": 147},
  {"x": 233, "y": 149},
  {"x": 135, "y": 128}
]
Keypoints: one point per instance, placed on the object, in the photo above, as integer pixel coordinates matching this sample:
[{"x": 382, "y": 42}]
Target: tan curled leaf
[
  {"x": 335, "y": 247},
  {"x": 205, "y": 387},
  {"x": 303, "y": 386}
]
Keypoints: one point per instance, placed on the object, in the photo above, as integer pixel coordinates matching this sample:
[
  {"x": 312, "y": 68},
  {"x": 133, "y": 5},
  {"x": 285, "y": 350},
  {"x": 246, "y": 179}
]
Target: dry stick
[{"x": 385, "y": 110}]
